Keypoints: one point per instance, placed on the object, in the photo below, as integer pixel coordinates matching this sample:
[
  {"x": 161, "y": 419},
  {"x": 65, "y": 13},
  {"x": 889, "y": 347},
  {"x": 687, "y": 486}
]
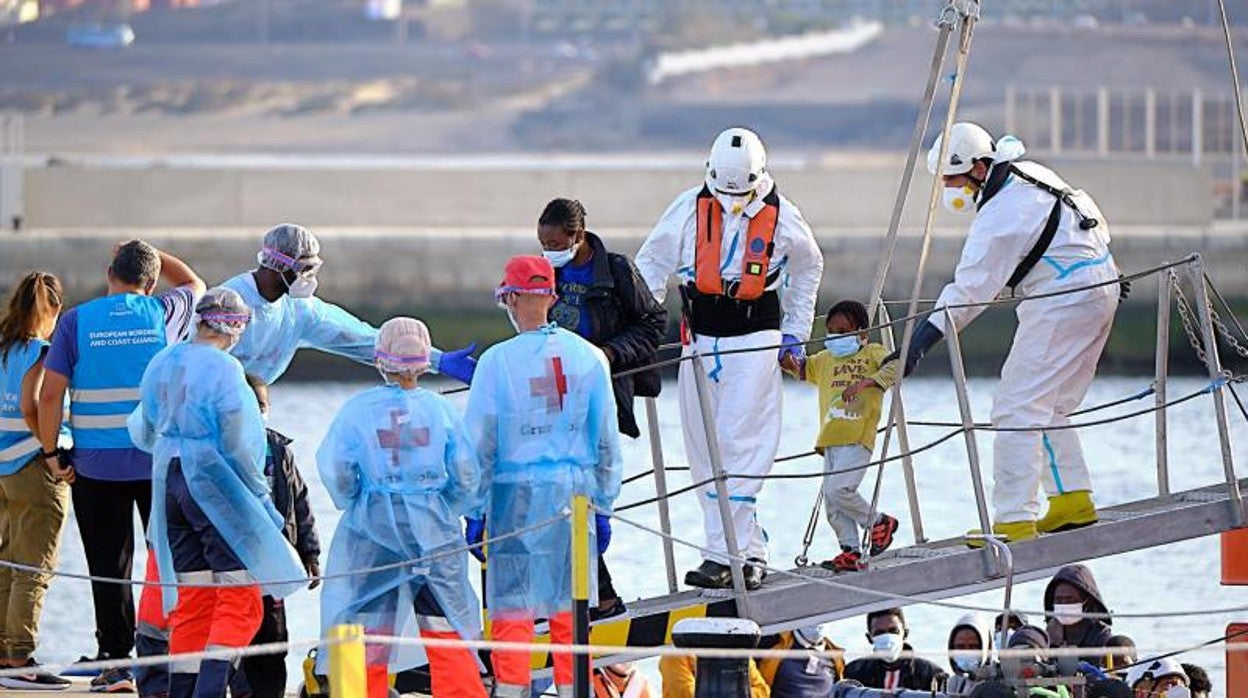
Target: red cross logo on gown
[
  {"x": 401, "y": 435},
  {"x": 552, "y": 386}
]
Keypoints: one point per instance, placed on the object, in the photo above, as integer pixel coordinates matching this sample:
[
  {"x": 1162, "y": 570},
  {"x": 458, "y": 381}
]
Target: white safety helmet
[
  {"x": 737, "y": 162},
  {"x": 968, "y": 142},
  {"x": 1154, "y": 670}
]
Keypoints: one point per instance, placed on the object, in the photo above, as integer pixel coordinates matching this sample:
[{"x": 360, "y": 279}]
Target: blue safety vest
[
  {"x": 17, "y": 444},
  {"x": 117, "y": 337}
]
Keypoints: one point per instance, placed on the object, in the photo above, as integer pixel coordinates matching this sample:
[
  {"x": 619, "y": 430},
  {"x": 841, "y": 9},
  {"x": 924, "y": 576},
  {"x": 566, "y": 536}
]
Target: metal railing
[{"x": 1200, "y": 322}]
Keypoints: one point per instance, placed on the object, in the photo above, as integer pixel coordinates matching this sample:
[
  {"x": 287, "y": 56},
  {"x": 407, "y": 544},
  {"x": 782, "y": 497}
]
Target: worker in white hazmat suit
[
  {"x": 1034, "y": 234},
  {"x": 287, "y": 315},
  {"x": 748, "y": 269},
  {"x": 398, "y": 461}
]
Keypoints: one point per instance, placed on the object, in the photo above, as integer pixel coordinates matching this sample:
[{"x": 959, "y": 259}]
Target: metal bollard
[
  {"x": 719, "y": 677},
  {"x": 347, "y": 675}
]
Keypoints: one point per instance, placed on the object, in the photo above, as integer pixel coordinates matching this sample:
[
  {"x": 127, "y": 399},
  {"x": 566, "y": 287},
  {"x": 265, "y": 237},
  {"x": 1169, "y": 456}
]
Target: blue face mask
[{"x": 843, "y": 345}]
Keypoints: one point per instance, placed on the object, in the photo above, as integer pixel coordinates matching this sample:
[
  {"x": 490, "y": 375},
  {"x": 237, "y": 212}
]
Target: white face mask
[
  {"x": 515, "y": 325},
  {"x": 1068, "y": 613},
  {"x": 559, "y": 258},
  {"x": 1177, "y": 692},
  {"x": 959, "y": 200},
  {"x": 967, "y": 664},
  {"x": 303, "y": 287},
  {"x": 888, "y": 645}
]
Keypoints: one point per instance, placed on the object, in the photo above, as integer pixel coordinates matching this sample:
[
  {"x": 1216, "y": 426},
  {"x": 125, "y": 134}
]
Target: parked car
[{"x": 100, "y": 35}]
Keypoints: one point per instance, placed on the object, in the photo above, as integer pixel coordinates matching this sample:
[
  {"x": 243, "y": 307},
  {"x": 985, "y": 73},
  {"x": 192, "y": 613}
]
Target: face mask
[
  {"x": 843, "y": 345},
  {"x": 1177, "y": 692},
  {"x": 512, "y": 318},
  {"x": 734, "y": 203},
  {"x": 559, "y": 258},
  {"x": 967, "y": 664},
  {"x": 959, "y": 200},
  {"x": 302, "y": 287},
  {"x": 889, "y": 645},
  {"x": 1068, "y": 613}
]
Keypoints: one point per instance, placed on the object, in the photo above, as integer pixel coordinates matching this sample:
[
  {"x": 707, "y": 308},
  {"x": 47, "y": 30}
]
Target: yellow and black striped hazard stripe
[{"x": 651, "y": 630}]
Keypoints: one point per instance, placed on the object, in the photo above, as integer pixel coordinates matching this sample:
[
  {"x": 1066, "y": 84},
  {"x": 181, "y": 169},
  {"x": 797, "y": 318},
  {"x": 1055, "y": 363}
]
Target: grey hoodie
[{"x": 982, "y": 625}]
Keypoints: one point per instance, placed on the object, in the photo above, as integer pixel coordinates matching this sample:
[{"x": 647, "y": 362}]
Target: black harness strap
[
  {"x": 992, "y": 186},
  {"x": 1037, "y": 250}
]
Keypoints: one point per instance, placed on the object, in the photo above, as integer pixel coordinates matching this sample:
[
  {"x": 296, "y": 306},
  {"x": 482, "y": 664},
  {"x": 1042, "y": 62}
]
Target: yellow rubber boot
[
  {"x": 1013, "y": 531},
  {"x": 1068, "y": 511}
]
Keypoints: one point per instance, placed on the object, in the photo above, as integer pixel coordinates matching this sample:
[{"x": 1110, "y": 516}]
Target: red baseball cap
[{"x": 527, "y": 273}]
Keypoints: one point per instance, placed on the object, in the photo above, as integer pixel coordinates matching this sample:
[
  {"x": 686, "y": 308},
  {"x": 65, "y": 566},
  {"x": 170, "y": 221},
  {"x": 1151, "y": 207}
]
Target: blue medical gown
[
  {"x": 278, "y": 329},
  {"x": 543, "y": 418},
  {"x": 195, "y": 405},
  {"x": 400, "y": 465}
]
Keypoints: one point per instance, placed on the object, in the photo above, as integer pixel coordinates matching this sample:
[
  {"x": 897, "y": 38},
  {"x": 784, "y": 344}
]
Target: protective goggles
[
  {"x": 400, "y": 359},
  {"x": 279, "y": 261}
]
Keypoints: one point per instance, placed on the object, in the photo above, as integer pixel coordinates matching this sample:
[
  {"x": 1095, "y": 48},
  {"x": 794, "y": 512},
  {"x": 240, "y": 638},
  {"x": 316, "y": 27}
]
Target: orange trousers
[
  {"x": 453, "y": 670},
  {"x": 214, "y": 617},
  {"x": 513, "y": 667}
]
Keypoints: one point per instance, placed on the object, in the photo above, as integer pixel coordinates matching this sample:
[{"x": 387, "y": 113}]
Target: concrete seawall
[
  {"x": 445, "y": 269},
  {"x": 839, "y": 191}
]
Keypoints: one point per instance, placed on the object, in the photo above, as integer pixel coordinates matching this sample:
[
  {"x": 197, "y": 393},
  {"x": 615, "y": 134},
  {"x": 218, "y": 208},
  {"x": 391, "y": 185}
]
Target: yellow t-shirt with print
[{"x": 855, "y": 423}]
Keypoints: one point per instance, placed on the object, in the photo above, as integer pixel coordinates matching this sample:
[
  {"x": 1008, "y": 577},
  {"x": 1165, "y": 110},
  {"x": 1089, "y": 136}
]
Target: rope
[
  {"x": 341, "y": 575},
  {"x": 623, "y": 651},
  {"x": 958, "y": 429},
  {"x": 600, "y": 650},
  {"x": 839, "y": 586},
  {"x": 164, "y": 659}
]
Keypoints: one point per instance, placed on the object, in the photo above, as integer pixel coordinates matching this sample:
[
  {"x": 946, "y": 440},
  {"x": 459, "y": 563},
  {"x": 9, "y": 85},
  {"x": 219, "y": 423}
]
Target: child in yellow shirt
[{"x": 852, "y": 375}]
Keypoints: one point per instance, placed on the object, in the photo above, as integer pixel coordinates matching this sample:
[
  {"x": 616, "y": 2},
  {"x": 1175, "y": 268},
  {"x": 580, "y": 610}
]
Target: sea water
[{"x": 1178, "y": 577}]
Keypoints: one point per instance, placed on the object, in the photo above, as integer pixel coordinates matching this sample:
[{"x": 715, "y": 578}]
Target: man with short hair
[
  {"x": 98, "y": 354},
  {"x": 889, "y": 669},
  {"x": 542, "y": 416}
]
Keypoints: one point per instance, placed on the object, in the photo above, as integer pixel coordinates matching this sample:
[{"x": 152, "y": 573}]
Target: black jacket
[
  {"x": 1089, "y": 632},
  {"x": 290, "y": 498},
  {"x": 624, "y": 317},
  {"x": 917, "y": 674}
]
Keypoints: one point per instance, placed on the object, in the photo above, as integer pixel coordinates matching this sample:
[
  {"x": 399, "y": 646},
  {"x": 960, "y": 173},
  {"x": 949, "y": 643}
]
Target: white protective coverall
[
  {"x": 1058, "y": 341},
  {"x": 745, "y": 388}
]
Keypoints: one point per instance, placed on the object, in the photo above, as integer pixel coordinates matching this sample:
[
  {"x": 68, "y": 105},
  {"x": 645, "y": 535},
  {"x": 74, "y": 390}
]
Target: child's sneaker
[
  {"x": 848, "y": 561},
  {"x": 882, "y": 534}
]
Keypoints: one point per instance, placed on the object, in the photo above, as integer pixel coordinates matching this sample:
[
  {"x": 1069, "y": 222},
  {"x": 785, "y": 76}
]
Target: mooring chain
[{"x": 1190, "y": 323}]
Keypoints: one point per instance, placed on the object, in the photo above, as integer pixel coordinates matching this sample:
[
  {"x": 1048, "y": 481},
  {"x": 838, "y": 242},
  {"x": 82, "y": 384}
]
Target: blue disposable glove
[
  {"x": 602, "y": 527},
  {"x": 792, "y": 347},
  {"x": 458, "y": 364},
  {"x": 474, "y": 533}
]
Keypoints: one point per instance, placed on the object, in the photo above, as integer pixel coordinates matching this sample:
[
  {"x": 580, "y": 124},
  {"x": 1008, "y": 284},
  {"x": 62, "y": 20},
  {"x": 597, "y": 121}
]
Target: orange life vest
[
  {"x": 759, "y": 247},
  {"x": 607, "y": 683}
]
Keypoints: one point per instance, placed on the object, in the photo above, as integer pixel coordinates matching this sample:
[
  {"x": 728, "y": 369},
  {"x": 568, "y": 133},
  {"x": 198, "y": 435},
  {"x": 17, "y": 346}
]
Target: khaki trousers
[{"x": 33, "y": 505}]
